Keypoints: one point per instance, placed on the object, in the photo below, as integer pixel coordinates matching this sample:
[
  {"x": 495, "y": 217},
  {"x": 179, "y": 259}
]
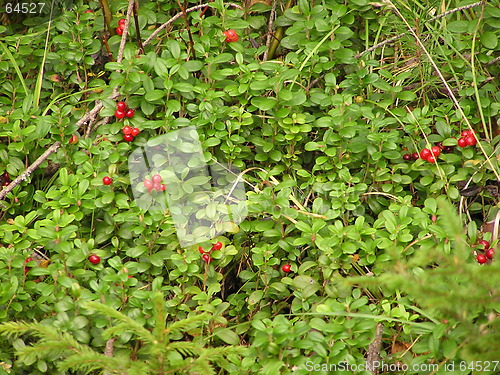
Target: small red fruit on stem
[
  {"x": 135, "y": 132},
  {"x": 148, "y": 184},
  {"x": 425, "y": 153},
  {"x": 119, "y": 114},
  {"x": 107, "y": 180},
  {"x": 121, "y": 106},
  {"x": 490, "y": 253},
  {"x": 206, "y": 258},
  {"x": 231, "y": 35},
  {"x": 485, "y": 243},
  {"x": 157, "y": 178},
  {"x": 471, "y": 140},
  {"x": 217, "y": 246},
  {"x": 128, "y": 137},
  {"x": 436, "y": 151},
  {"x": 127, "y": 130},
  {"x": 481, "y": 258},
  {"x": 130, "y": 113},
  {"x": 286, "y": 268},
  {"x": 73, "y": 140},
  {"x": 462, "y": 142},
  {"x": 119, "y": 31},
  {"x": 94, "y": 259}
]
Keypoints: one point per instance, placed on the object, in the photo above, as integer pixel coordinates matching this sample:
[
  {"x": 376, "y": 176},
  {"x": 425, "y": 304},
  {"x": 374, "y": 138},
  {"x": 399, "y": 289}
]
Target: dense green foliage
[{"x": 320, "y": 132}]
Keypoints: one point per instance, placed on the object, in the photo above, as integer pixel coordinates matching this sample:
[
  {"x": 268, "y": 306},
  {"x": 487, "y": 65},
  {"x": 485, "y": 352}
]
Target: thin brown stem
[
  {"x": 178, "y": 15},
  {"x": 23, "y": 176}
]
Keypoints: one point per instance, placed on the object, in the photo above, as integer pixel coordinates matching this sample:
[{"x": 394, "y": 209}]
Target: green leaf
[
  {"x": 154, "y": 95},
  {"x": 228, "y": 336},
  {"x": 113, "y": 66},
  {"x": 406, "y": 95},
  {"x": 193, "y": 65},
  {"x": 489, "y": 40},
  {"x": 264, "y": 104},
  {"x": 255, "y": 297},
  {"x": 222, "y": 58}
]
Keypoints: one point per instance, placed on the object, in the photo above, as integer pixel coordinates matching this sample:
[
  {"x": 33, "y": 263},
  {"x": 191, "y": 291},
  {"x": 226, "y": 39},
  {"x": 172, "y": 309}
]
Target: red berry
[
  {"x": 157, "y": 186},
  {"x": 119, "y": 30},
  {"x": 431, "y": 159},
  {"x": 481, "y": 258},
  {"x": 217, "y": 246},
  {"x": 462, "y": 142},
  {"x": 415, "y": 156},
  {"x": 127, "y": 130},
  {"x": 94, "y": 259},
  {"x": 135, "y": 132},
  {"x": 231, "y": 35},
  {"x": 107, "y": 180},
  {"x": 471, "y": 132},
  {"x": 6, "y": 183},
  {"x": 471, "y": 140},
  {"x": 163, "y": 187},
  {"x": 128, "y": 137},
  {"x": 73, "y": 140},
  {"x": 6, "y": 176},
  {"x": 485, "y": 243},
  {"x": 200, "y": 249},
  {"x": 89, "y": 11},
  {"x": 464, "y": 133},
  {"x": 436, "y": 151},
  {"x": 425, "y": 153},
  {"x": 407, "y": 157},
  {"x": 119, "y": 114},
  {"x": 206, "y": 258},
  {"x": 286, "y": 268},
  {"x": 157, "y": 178},
  {"x": 490, "y": 253},
  {"x": 26, "y": 268},
  {"x": 148, "y": 184},
  {"x": 121, "y": 22},
  {"x": 121, "y": 106},
  {"x": 130, "y": 113}
]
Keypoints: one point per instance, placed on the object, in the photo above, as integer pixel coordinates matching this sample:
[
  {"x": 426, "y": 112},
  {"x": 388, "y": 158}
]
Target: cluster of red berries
[
  {"x": 489, "y": 252},
  {"x": 468, "y": 138},
  {"x": 205, "y": 255},
  {"x": 6, "y": 179},
  {"x": 129, "y": 133},
  {"x": 121, "y": 26},
  {"x": 154, "y": 183},
  {"x": 231, "y": 35},
  {"x": 122, "y": 110},
  {"x": 429, "y": 155}
]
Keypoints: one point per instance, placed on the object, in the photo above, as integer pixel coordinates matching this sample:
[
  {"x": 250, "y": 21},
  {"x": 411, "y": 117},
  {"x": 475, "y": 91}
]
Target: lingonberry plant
[{"x": 353, "y": 179}]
